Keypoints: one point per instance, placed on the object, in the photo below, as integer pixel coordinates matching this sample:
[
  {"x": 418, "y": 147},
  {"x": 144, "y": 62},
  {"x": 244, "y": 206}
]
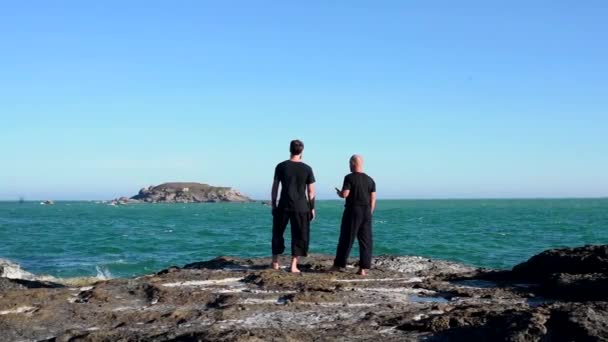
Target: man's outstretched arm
[
  {"x": 345, "y": 188},
  {"x": 344, "y": 193},
  {"x": 275, "y": 193}
]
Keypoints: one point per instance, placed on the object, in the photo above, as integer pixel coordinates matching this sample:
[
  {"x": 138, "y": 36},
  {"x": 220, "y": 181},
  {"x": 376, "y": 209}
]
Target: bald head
[{"x": 356, "y": 163}]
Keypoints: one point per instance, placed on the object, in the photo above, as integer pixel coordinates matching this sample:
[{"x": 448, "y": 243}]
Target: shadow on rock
[{"x": 18, "y": 284}]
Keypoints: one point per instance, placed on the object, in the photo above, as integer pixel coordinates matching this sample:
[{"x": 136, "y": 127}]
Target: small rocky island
[
  {"x": 184, "y": 192},
  {"x": 558, "y": 295}
]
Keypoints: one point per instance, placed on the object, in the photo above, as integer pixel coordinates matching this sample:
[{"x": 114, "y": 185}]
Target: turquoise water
[{"x": 82, "y": 238}]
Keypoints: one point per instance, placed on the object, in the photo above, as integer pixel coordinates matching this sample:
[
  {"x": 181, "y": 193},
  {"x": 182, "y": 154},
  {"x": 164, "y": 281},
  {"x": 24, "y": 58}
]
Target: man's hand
[{"x": 313, "y": 215}]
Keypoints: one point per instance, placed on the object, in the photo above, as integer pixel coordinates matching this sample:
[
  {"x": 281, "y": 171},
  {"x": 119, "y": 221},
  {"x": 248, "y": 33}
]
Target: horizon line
[{"x": 335, "y": 199}]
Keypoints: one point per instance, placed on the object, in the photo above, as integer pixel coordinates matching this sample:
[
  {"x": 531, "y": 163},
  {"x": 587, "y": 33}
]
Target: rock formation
[
  {"x": 403, "y": 299},
  {"x": 184, "y": 193}
]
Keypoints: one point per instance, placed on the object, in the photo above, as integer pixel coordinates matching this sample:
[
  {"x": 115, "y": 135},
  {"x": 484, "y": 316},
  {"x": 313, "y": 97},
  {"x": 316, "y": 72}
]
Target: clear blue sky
[{"x": 443, "y": 98}]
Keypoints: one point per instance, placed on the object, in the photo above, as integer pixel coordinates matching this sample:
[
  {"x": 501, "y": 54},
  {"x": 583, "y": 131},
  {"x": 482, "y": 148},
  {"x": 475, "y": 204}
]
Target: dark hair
[{"x": 296, "y": 147}]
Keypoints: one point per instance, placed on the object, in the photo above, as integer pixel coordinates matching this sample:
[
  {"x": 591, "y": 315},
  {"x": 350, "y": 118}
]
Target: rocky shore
[
  {"x": 558, "y": 295},
  {"x": 184, "y": 192}
]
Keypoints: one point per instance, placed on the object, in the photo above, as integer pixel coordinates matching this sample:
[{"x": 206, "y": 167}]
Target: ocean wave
[
  {"x": 13, "y": 270},
  {"x": 9, "y": 269}
]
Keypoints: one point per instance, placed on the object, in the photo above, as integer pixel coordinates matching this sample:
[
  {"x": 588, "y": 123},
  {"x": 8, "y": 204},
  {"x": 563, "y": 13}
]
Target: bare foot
[
  {"x": 275, "y": 266},
  {"x": 294, "y": 265},
  {"x": 362, "y": 272}
]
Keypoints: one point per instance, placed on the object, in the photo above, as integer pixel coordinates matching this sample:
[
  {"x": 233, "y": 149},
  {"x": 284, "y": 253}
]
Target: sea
[{"x": 94, "y": 239}]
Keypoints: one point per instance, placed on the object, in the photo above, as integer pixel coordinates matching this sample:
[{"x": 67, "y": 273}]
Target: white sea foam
[
  {"x": 9, "y": 269},
  {"x": 103, "y": 273}
]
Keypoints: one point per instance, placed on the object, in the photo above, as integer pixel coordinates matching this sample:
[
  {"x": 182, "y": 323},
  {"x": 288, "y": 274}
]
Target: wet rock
[
  {"x": 272, "y": 280},
  {"x": 576, "y": 287},
  {"x": 216, "y": 264},
  {"x": 13, "y": 284},
  {"x": 421, "y": 266},
  {"x": 223, "y": 301},
  {"x": 579, "y": 322},
  {"x": 579, "y": 274},
  {"x": 171, "y": 269},
  {"x": 234, "y": 299},
  {"x": 484, "y": 323},
  {"x": 581, "y": 260}
]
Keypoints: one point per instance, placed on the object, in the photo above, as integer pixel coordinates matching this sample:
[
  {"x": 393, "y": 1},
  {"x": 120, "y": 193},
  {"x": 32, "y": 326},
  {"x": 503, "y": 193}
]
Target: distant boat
[
  {"x": 21, "y": 200},
  {"x": 47, "y": 202}
]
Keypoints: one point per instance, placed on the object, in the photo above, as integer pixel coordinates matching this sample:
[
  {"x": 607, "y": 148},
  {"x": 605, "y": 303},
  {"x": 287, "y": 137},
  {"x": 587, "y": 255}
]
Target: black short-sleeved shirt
[
  {"x": 361, "y": 186},
  {"x": 294, "y": 176}
]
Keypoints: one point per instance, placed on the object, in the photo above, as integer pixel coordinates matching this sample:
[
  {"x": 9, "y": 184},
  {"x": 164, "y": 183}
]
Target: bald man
[{"x": 359, "y": 190}]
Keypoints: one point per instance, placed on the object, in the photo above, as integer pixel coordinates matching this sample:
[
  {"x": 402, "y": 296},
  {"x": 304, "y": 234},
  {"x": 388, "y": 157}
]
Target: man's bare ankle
[{"x": 362, "y": 272}]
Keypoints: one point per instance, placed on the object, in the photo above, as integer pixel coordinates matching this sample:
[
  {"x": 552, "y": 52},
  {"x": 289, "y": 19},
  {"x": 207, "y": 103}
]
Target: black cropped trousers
[
  {"x": 300, "y": 231},
  {"x": 356, "y": 223}
]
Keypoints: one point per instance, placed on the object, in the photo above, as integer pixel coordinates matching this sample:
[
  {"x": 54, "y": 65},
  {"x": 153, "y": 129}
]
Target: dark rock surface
[
  {"x": 577, "y": 274},
  {"x": 181, "y": 192},
  {"x": 233, "y": 299},
  {"x": 580, "y": 260}
]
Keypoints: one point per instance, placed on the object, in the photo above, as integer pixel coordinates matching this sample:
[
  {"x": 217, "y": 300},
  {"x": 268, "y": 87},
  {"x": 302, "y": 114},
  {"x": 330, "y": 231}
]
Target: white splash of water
[
  {"x": 9, "y": 269},
  {"x": 103, "y": 273}
]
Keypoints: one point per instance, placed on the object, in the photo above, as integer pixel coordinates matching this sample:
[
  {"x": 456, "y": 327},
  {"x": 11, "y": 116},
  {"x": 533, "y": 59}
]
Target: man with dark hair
[
  {"x": 296, "y": 205},
  {"x": 359, "y": 190}
]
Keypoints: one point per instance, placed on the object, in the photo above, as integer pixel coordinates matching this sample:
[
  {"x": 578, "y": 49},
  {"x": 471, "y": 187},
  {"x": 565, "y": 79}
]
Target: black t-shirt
[
  {"x": 361, "y": 186},
  {"x": 294, "y": 176}
]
